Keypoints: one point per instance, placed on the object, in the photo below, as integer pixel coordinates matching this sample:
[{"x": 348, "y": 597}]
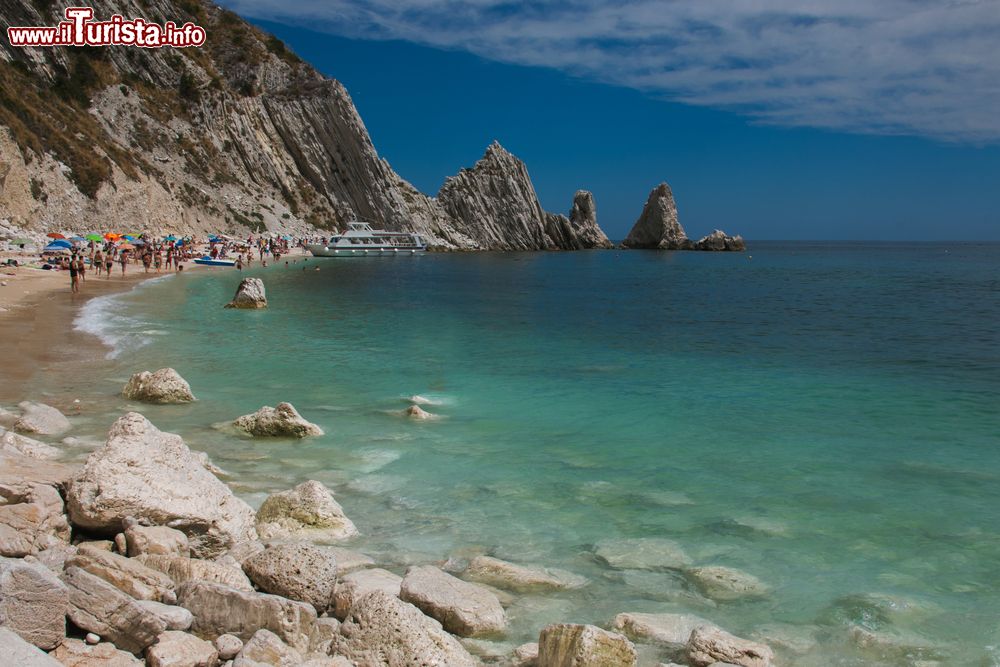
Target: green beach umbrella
[{"x": 94, "y": 237}]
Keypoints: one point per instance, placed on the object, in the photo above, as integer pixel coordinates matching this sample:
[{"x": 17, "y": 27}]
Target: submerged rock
[
  {"x": 41, "y": 419},
  {"x": 416, "y": 412},
  {"x": 249, "y": 295},
  {"x": 571, "y": 645},
  {"x": 658, "y": 227},
  {"x": 462, "y": 608},
  {"x": 19, "y": 444},
  {"x": 283, "y": 421},
  {"x": 709, "y": 645},
  {"x": 150, "y": 475},
  {"x": 642, "y": 553},
  {"x": 671, "y": 630},
  {"x": 163, "y": 386},
  {"x": 725, "y": 583},
  {"x": 33, "y": 602},
  {"x": 383, "y": 631},
  {"x": 301, "y": 571},
  {"x": 500, "y": 573},
  {"x": 308, "y": 512}
]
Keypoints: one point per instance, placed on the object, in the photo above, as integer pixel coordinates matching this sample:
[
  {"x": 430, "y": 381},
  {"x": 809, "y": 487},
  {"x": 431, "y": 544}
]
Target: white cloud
[{"x": 921, "y": 67}]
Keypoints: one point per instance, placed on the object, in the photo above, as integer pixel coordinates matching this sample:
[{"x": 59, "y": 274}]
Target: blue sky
[{"x": 772, "y": 124}]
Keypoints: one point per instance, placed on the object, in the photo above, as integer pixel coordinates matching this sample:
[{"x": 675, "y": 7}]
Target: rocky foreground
[{"x": 143, "y": 556}]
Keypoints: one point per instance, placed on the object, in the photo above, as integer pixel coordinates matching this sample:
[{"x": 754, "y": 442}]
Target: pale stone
[
  {"x": 182, "y": 570},
  {"x": 658, "y": 226},
  {"x": 642, "y": 553},
  {"x": 526, "y": 655},
  {"x": 709, "y": 644},
  {"x": 92, "y": 639},
  {"x": 308, "y": 511},
  {"x": 55, "y": 557},
  {"x": 20, "y": 474},
  {"x": 354, "y": 585},
  {"x": 298, "y": 571},
  {"x": 164, "y": 386},
  {"x": 33, "y": 602},
  {"x": 145, "y": 473},
  {"x": 462, "y": 608},
  {"x": 383, "y": 631},
  {"x": 416, "y": 412},
  {"x": 725, "y": 583},
  {"x": 20, "y": 444},
  {"x": 228, "y": 646},
  {"x": 41, "y": 419},
  {"x": 179, "y": 649},
  {"x": 219, "y": 610},
  {"x": 324, "y": 631},
  {"x": 266, "y": 648},
  {"x": 496, "y": 572},
  {"x": 157, "y": 540},
  {"x": 249, "y": 295},
  {"x": 126, "y": 574},
  {"x": 672, "y": 630},
  {"x": 75, "y": 653},
  {"x": 176, "y": 618},
  {"x": 283, "y": 421},
  {"x": 99, "y": 607},
  {"x": 33, "y": 521},
  {"x": 571, "y": 645},
  {"x": 16, "y": 651}
]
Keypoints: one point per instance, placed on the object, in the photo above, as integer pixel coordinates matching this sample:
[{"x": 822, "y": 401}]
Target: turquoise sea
[{"x": 825, "y": 417}]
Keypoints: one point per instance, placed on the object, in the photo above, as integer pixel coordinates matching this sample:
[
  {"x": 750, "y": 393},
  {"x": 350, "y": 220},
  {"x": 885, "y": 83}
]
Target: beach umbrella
[
  {"x": 55, "y": 235},
  {"x": 94, "y": 237},
  {"x": 126, "y": 246},
  {"x": 19, "y": 242},
  {"x": 112, "y": 237},
  {"x": 54, "y": 247},
  {"x": 170, "y": 238},
  {"x": 60, "y": 243}
]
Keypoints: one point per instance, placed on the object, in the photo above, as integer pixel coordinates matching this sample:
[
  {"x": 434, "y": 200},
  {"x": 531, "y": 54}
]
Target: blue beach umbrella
[
  {"x": 60, "y": 243},
  {"x": 55, "y": 247}
]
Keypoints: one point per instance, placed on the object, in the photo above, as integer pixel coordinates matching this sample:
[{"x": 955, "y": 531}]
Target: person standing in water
[
  {"x": 74, "y": 277},
  {"x": 123, "y": 258}
]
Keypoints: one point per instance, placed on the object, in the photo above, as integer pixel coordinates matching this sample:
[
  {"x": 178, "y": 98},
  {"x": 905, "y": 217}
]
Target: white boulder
[
  {"x": 572, "y": 645},
  {"x": 150, "y": 475},
  {"x": 308, "y": 512},
  {"x": 462, "y": 608},
  {"x": 249, "y": 295},
  {"x": 163, "y": 386},
  {"x": 283, "y": 421},
  {"x": 709, "y": 645},
  {"x": 41, "y": 419}
]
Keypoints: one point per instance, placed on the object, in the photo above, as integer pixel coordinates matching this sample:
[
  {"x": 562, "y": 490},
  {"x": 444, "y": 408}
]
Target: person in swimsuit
[
  {"x": 124, "y": 261},
  {"x": 82, "y": 268},
  {"x": 109, "y": 262},
  {"x": 98, "y": 262},
  {"x": 74, "y": 278}
]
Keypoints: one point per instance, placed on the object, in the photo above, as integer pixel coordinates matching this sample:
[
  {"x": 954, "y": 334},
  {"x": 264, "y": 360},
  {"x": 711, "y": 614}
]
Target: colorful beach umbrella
[
  {"x": 55, "y": 247},
  {"x": 60, "y": 243},
  {"x": 126, "y": 246},
  {"x": 55, "y": 235},
  {"x": 112, "y": 237},
  {"x": 94, "y": 237}
]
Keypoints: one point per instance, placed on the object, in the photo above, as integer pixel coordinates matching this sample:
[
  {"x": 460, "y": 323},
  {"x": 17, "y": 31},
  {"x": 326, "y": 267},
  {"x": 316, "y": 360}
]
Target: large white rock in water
[
  {"x": 40, "y": 418},
  {"x": 383, "y": 631},
  {"x": 298, "y": 571},
  {"x": 571, "y": 645},
  {"x": 658, "y": 227},
  {"x": 145, "y": 473},
  {"x": 33, "y": 602},
  {"x": 163, "y": 386},
  {"x": 725, "y": 583},
  {"x": 308, "y": 512},
  {"x": 502, "y": 574},
  {"x": 671, "y": 630},
  {"x": 642, "y": 553},
  {"x": 462, "y": 608},
  {"x": 283, "y": 421},
  {"x": 709, "y": 645},
  {"x": 250, "y": 294}
]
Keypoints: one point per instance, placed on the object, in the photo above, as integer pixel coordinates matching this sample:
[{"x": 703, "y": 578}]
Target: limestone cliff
[
  {"x": 659, "y": 228},
  {"x": 235, "y": 136}
]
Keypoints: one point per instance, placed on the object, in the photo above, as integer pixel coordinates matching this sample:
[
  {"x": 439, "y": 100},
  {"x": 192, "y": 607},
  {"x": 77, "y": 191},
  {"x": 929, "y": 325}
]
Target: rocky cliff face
[
  {"x": 239, "y": 135},
  {"x": 658, "y": 228}
]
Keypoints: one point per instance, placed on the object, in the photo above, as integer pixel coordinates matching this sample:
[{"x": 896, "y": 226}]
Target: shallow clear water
[{"x": 825, "y": 417}]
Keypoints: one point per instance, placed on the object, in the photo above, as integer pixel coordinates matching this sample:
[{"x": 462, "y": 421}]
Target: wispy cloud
[{"x": 921, "y": 67}]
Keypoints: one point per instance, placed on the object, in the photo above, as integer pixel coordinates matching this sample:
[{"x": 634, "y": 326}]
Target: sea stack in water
[
  {"x": 249, "y": 295},
  {"x": 658, "y": 228},
  {"x": 283, "y": 421}
]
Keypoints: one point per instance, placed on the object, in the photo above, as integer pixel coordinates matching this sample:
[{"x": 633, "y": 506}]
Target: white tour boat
[{"x": 360, "y": 240}]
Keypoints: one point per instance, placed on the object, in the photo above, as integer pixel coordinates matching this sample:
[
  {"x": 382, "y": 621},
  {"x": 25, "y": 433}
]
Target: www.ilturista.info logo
[{"x": 79, "y": 30}]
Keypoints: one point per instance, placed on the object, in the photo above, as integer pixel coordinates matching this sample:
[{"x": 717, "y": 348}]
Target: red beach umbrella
[{"x": 55, "y": 235}]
